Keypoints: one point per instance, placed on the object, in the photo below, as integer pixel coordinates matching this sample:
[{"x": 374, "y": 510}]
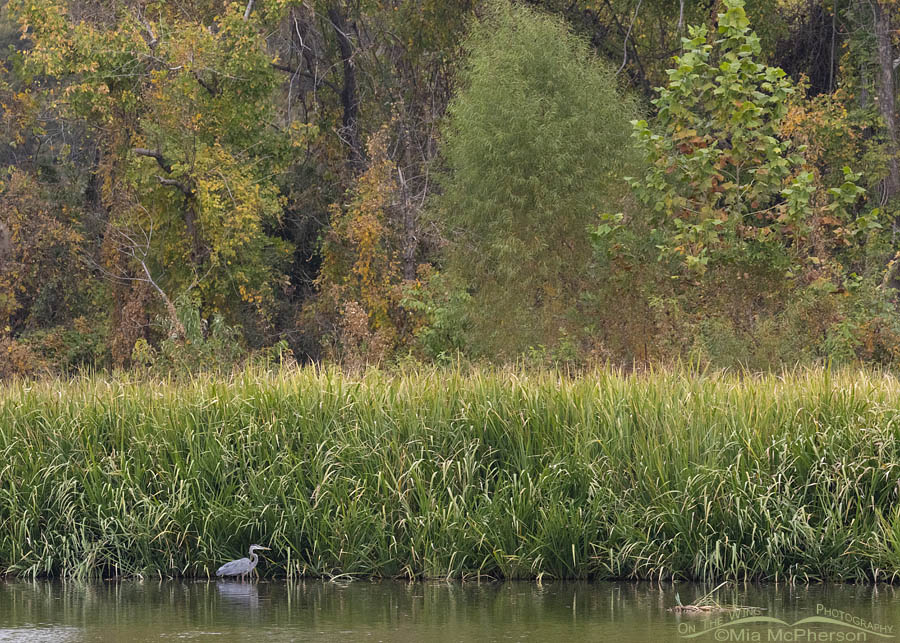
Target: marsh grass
[{"x": 456, "y": 474}]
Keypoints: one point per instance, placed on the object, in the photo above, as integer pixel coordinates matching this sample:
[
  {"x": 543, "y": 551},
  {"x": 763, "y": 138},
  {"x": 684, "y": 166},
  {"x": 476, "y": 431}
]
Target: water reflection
[
  {"x": 238, "y": 593},
  {"x": 395, "y": 611}
]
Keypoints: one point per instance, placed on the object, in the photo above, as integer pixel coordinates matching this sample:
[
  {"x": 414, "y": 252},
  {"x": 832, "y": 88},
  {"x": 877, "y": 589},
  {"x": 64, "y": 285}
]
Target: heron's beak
[{"x": 265, "y": 548}]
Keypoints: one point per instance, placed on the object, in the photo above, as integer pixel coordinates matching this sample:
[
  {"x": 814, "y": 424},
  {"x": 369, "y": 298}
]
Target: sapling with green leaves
[{"x": 723, "y": 182}]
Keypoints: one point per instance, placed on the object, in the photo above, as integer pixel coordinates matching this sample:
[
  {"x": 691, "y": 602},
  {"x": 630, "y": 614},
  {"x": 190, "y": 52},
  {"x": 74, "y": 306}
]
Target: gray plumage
[{"x": 242, "y": 566}]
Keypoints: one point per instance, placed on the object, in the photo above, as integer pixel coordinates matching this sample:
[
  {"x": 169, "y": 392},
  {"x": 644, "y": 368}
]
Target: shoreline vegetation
[{"x": 456, "y": 473}]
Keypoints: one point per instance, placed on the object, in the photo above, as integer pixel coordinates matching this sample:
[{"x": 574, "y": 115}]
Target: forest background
[{"x": 196, "y": 183}]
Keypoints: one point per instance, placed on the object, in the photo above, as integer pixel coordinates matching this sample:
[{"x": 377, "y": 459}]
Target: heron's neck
[{"x": 253, "y": 558}]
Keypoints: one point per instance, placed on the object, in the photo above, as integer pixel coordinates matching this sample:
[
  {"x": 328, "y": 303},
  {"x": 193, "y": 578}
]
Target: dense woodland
[{"x": 197, "y": 183}]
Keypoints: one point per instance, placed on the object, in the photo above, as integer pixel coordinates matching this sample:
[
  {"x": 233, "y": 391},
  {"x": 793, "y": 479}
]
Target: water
[{"x": 407, "y": 612}]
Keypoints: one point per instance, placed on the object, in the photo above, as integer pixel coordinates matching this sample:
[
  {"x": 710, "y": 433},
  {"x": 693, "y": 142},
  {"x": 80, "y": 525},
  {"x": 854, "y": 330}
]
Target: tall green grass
[{"x": 441, "y": 473}]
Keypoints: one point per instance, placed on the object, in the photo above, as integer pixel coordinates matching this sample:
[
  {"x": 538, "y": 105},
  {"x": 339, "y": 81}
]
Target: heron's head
[{"x": 253, "y": 548}]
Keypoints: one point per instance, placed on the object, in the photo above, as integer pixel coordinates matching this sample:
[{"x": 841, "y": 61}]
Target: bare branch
[
  {"x": 138, "y": 251},
  {"x": 170, "y": 307},
  {"x": 175, "y": 184},
  {"x": 153, "y": 40},
  {"x": 248, "y": 10},
  {"x": 286, "y": 68},
  {"x": 212, "y": 90},
  {"x": 299, "y": 72},
  {"x": 163, "y": 163},
  {"x": 628, "y": 33}
]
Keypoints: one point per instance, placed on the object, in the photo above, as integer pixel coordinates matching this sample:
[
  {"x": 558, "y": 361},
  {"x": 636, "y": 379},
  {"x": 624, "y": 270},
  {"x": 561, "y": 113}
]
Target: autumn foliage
[{"x": 190, "y": 185}]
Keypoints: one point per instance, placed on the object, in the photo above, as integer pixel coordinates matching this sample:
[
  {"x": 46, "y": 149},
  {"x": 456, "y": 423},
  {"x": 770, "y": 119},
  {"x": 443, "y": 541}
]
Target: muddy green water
[{"x": 394, "y": 611}]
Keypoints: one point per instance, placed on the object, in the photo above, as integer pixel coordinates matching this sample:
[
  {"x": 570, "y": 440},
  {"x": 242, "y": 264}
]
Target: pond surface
[{"x": 394, "y": 611}]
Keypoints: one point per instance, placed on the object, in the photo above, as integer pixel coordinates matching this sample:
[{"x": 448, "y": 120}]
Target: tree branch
[
  {"x": 627, "y": 34},
  {"x": 349, "y": 97},
  {"x": 641, "y": 76},
  {"x": 213, "y": 90},
  {"x": 318, "y": 81},
  {"x": 163, "y": 163},
  {"x": 178, "y": 327},
  {"x": 175, "y": 184},
  {"x": 153, "y": 40},
  {"x": 137, "y": 250}
]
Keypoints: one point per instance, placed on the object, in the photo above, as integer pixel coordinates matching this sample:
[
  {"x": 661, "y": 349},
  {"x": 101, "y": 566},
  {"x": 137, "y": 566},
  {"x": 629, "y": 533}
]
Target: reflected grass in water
[{"x": 402, "y": 612}]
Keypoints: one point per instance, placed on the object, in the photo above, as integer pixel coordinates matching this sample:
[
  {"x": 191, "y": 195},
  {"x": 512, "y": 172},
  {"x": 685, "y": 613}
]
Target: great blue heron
[{"x": 242, "y": 566}]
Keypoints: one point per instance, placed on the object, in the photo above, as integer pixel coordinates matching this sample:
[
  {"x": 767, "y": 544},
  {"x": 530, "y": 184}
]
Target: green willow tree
[{"x": 535, "y": 144}]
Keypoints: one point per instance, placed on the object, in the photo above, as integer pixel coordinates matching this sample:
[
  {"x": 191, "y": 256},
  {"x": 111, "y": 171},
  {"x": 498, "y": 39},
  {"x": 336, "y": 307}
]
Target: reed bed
[{"x": 456, "y": 474}]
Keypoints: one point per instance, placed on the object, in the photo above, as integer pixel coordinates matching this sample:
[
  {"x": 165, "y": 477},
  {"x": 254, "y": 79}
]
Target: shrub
[{"x": 536, "y": 144}]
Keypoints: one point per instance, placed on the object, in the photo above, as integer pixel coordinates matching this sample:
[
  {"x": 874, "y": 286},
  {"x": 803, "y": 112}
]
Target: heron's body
[{"x": 242, "y": 566}]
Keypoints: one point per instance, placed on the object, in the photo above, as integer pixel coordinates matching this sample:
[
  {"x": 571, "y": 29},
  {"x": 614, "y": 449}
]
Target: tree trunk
[
  {"x": 886, "y": 95},
  {"x": 349, "y": 97},
  {"x": 198, "y": 249},
  {"x": 881, "y": 15},
  {"x": 410, "y": 211},
  {"x": 5, "y": 242}
]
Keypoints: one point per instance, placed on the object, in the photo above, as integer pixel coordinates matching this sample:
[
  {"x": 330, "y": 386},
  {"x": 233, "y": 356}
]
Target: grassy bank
[{"x": 444, "y": 474}]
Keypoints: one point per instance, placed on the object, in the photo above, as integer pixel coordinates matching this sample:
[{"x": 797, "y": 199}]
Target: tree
[
  {"x": 882, "y": 14},
  {"x": 181, "y": 107},
  {"x": 725, "y": 183},
  {"x": 535, "y": 146},
  {"x": 360, "y": 281},
  {"x": 40, "y": 267}
]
